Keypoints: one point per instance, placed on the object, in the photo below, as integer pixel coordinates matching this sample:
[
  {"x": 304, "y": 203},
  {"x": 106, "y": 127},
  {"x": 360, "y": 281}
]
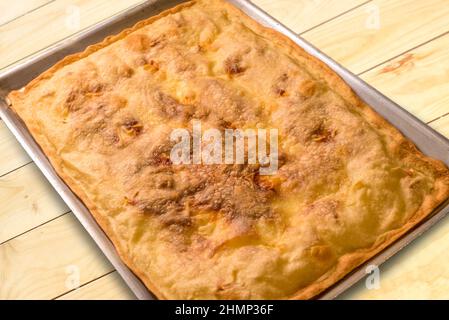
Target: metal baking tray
[{"x": 428, "y": 141}]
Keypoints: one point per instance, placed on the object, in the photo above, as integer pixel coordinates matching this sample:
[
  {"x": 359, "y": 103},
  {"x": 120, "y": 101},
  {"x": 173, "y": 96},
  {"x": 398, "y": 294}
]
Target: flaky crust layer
[{"x": 348, "y": 186}]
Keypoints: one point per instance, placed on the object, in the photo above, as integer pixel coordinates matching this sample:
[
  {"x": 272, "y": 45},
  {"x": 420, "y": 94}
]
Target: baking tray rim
[{"x": 21, "y": 133}]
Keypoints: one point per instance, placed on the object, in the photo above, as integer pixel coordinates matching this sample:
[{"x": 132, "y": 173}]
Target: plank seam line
[
  {"x": 84, "y": 284},
  {"x": 438, "y": 118},
  {"x": 33, "y": 228},
  {"x": 15, "y": 169},
  {"x": 333, "y": 18},
  {"x": 24, "y": 14}
]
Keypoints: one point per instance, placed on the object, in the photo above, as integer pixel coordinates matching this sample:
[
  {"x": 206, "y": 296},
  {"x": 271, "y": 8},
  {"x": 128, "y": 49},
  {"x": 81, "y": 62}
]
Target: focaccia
[{"x": 348, "y": 184}]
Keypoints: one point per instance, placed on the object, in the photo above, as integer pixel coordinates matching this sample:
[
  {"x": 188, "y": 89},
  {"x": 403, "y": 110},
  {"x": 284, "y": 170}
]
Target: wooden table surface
[{"x": 401, "y": 47}]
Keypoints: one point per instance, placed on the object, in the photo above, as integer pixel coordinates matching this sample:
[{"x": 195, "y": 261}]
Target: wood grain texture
[
  {"x": 60, "y": 17},
  {"x": 12, "y": 155},
  {"x": 442, "y": 125},
  {"x": 301, "y": 16},
  {"x": 35, "y": 264},
  {"x": 10, "y": 10},
  {"x": 27, "y": 200},
  {"x": 49, "y": 260},
  {"x": 359, "y": 43},
  {"x": 53, "y": 23},
  {"x": 108, "y": 287},
  {"x": 417, "y": 80}
]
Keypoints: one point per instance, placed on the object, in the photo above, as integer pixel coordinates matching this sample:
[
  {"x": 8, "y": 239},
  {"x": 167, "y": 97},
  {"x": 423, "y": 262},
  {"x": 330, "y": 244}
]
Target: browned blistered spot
[
  {"x": 267, "y": 183},
  {"x": 160, "y": 160},
  {"x": 167, "y": 203},
  {"x": 75, "y": 98},
  {"x": 233, "y": 66},
  {"x": 73, "y": 102},
  {"x": 280, "y": 85},
  {"x": 222, "y": 287},
  {"x": 157, "y": 41},
  {"x": 282, "y": 159},
  {"x": 141, "y": 43},
  {"x": 132, "y": 127},
  {"x": 322, "y": 134},
  {"x": 111, "y": 138},
  {"x": 223, "y": 124},
  {"x": 125, "y": 71},
  {"x": 232, "y": 191},
  {"x": 127, "y": 201},
  {"x": 165, "y": 183},
  {"x": 157, "y": 206},
  {"x": 95, "y": 88},
  {"x": 283, "y": 77},
  {"x": 280, "y": 92},
  {"x": 170, "y": 107},
  {"x": 409, "y": 171},
  {"x": 69, "y": 101},
  {"x": 152, "y": 66},
  {"x": 160, "y": 156}
]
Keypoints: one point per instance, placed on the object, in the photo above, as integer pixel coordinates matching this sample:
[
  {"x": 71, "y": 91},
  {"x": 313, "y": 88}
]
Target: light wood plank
[
  {"x": 52, "y": 23},
  {"x": 354, "y": 41},
  {"x": 13, "y": 9},
  {"x": 303, "y": 15},
  {"x": 12, "y": 155},
  {"x": 27, "y": 200},
  {"x": 49, "y": 261},
  {"x": 108, "y": 287},
  {"x": 418, "y": 80}
]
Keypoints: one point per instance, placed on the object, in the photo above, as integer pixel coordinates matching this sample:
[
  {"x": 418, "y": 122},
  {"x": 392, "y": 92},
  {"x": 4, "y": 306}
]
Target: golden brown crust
[{"x": 418, "y": 186}]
